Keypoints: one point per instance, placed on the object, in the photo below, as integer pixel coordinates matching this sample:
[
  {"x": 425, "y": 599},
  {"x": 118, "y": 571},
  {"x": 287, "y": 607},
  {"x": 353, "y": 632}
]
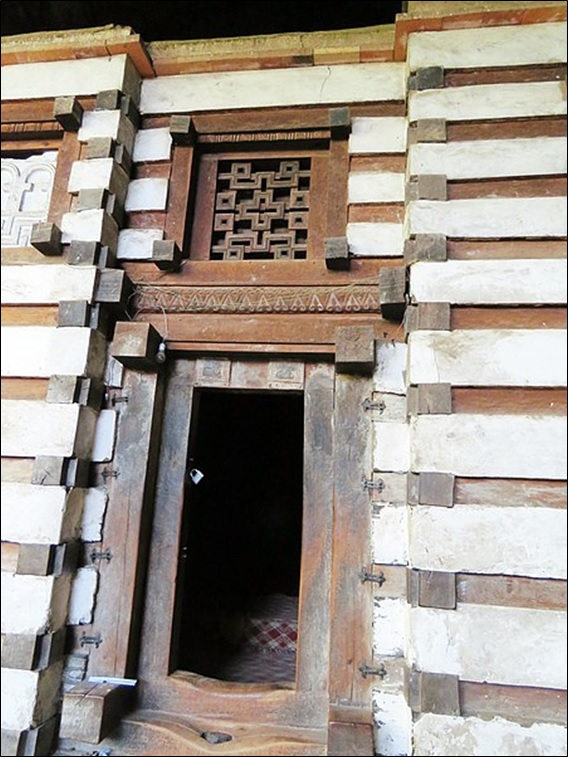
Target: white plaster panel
[
  {"x": 490, "y": 217},
  {"x": 93, "y": 514},
  {"x": 87, "y": 226},
  {"x": 393, "y": 717},
  {"x": 492, "y": 357},
  {"x": 490, "y": 282},
  {"x": 136, "y": 244},
  {"x": 66, "y": 77},
  {"x": 502, "y": 446},
  {"x": 485, "y": 159},
  {"x": 527, "y": 541},
  {"x": 375, "y": 239},
  {"x": 390, "y": 535},
  {"x": 509, "y": 645},
  {"x": 389, "y": 626},
  {"x": 26, "y": 603},
  {"x": 90, "y": 174},
  {"x": 375, "y": 187},
  {"x": 99, "y": 123},
  {"x": 390, "y": 371},
  {"x": 391, "y": 451},
  {"x": 82, "y": 598},
  {"x": 361, "y": 82},
  {"x": 40, "y": 514},
  {"x": 378, "y": 135},
  {"x": 19, "y": 697},
  {"x": 43, "y": 351},
  {"x": 46, "y": 284},
  {"x": 151, "y": 145},
  {"x": 522, "y": 45},
  {"x": 105, "y": 432},
  {"x": 484, "y": 101},
  {"x": 146, "y": 194}
]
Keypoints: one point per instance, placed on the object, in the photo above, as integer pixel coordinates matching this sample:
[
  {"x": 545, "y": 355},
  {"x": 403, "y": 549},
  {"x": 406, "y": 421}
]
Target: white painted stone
[
  {"x": 82, "y": 599},
  {"x": 490, "y": 282},
  {"x": 527, "y": 541},
  {"x": 390, "y": 535},
  {"x": 362, "y": 82},
  {"x": 29, "y": 697},
  {"x": 46, "y": 284},
  {"x": 375, "y": 239},
  {"x": 488, "y": 101},
  {"x": 67, "y": 77},
  {"x": 146, "y": 194},
  {"x": 152, "y": 144},
  {"x": 27, "y": 604},
  {"x": 393, "y": 717},
  {"x": 85, "y": 226},
  {"x": 485, "y": 159},
  {"x": 105, "y": 433},
  {"x": 43, "y": 351},
  {"x": 378, "y": 135},
  {"x": 40, "y": 514},
  {"x": 390, "y": 371},
  {"x": 94, "y": 509},
  {"x": 375, "y": 187},
  {"x": 502, "y": 446},
  {"x": 391, "y": 450},
  {"x": 492, "y": 357},
  {"x": 490, "y": 217},
  {"x": 107, "y": 123},
  {"x": 521, "y": 45},
  {"x": 31, "y": 428},
  {"x": 389, "y": 626},
  {"x": 136, "y": 244},
  {"x": 449, "y": 736},
  {"x": 90, "y": 174},
  {"x": 485, "y": 643}
]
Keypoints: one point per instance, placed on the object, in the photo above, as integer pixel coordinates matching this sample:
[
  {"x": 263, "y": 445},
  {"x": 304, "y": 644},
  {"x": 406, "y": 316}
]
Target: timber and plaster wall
[{"x": 467, "y": 189}]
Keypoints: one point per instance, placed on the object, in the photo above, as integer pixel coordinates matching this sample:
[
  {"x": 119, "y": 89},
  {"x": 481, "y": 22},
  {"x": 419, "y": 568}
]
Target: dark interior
[{"x": 240, "y": 566}]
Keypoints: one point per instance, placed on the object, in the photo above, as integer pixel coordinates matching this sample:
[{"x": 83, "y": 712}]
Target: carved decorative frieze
[{"x": 340, "y": 299}]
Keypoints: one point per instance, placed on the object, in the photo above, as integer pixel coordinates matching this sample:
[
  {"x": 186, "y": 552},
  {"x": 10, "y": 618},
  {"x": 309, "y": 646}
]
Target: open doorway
[{"x": 239, "y": 575}]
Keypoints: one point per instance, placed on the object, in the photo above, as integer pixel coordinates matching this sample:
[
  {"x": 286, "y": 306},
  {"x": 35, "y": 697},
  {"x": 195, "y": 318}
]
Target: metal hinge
[
  {"x": 380, "y": 406},
  {"x": 100, "y": 555},
  {"x": 376, "y": 578},
  {"x": 95, "y": 641},
  {"x": 365, "y": 671},
  {"x": 110, "y": 474},
  {"x": 371, "y": 484}
]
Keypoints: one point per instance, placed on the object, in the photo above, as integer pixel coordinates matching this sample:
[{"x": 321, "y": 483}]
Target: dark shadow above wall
[{"x": 198, "y": 19}]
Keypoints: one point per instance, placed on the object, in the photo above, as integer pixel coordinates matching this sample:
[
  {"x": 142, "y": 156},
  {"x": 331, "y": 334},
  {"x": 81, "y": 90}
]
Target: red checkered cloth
[{"x": 273, "y": 624}]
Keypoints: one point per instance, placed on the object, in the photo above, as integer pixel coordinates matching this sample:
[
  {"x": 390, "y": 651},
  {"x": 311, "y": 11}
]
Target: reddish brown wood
[
  {"x": 60, "y": 198},
  {"x": 512, "y": 128},
  {"x": 320, "y": 181},
  {"x": 29, "y": 315},
  {"x": 22, "y": 111},
  {"x": 526, "y": 704},
  {"x": 202, "y": 224},
  {"x": 385, "y": 213},
  {"x": 17, "y": 470},
  {"x": 17, "y": 148},
  {"x": 386, "y": 162},
  {"x": 508, "y": 318},
  {"x": 504, "y": 249},
  {"x": 180, "y": 195},
  {"x": 24, "y": 389},
  {"x": 395, "y": 581},
  {"x": 542, "y": 186},
  {"x": 9, "y": 556},
  {"x": 156, "y": 170},
  {"x": 511, "y": 591},
  {"x": 502, "y": 75},
  {"x": 488, "y": 401},
  {"x": 147, "y": 220},
  {"x": 510, "y": 492},
  {"x": 337, "y": 189}
]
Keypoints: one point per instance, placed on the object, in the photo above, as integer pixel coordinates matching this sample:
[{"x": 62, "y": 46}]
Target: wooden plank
[
  {"x": 60, "y": 201},
  {"x": 337, "y": 200},
  {"x": 351, "y": 613},
  {"x": 312, "y": 662},
  {"x": 481, "y": 445},
  {"x": 377, "y": 136},
  {"x": 511, "y": 591},
  {"x": 27, "y": 256},
  {"x": 384, "y": 213},
  {"x": 126, "y": 529},
  {"x": 47, "y": 284},
  {"x": 490, "y": 282},
  {"x": 536, "y": 635},
  {"x": 10, "y": 553},
  {"x": 44, "y": 351},
  {"x": 530, "y": 45},
  {"x": 179, "y": 206},
  {"x": 159, "y": 170},
  {"x": 510, "y": 493},
  {"x": 439, "y": 540},
  {"x": 505, "y": 249},
  {"x": 512, "y": 128},
  {"x": 488, "y": 358},
  {"x": 280, "y": 87},
  {"x": 492, "y": 158},
  {"x": 486, "y": 101},
  {"x": 488, "y": 401},
  {"x": 41, "y": 109},
  {"x": 147, "y": 220},
  {"x": 490, "y": 218},
  {"x": 43, "y": 315},
  {"x": 380, "y": 162},
  {"x": 17, "y": 470},
  {"x": 508, "y": 318},
  {"x": 554, "y": 186},
  {"x": 24, "y": 389},
  {"x": 465, "y": 78},
  {"x": 526, "y": 704}
]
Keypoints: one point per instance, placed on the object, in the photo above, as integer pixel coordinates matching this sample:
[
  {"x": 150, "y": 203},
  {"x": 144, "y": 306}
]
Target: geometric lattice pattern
[
  {"x": 261, "y": 210},
  {"x": 26, "y": 191}
]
